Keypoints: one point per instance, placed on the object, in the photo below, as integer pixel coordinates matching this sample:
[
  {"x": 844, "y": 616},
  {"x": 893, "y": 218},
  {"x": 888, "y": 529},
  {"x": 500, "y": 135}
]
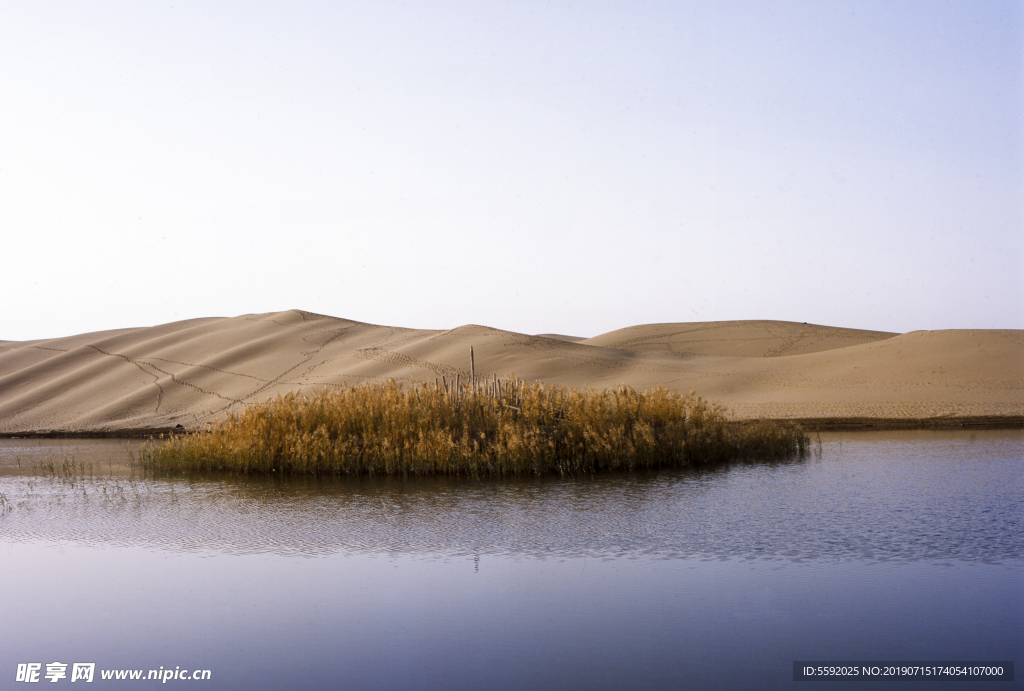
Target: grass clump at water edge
[{"x": 502, "y": 427}]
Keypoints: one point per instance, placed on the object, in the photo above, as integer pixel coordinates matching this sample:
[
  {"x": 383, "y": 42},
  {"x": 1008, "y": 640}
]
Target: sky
[{"x": 541, "y": 167}]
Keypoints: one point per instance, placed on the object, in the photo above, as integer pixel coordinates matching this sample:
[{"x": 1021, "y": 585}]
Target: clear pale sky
[{"x": 533, "y": 166}]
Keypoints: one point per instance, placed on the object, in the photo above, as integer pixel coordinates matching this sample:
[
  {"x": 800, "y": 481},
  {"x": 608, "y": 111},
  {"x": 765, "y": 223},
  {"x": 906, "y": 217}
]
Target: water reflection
[
  {"x": 893, "y": 496},
  {"x": 881, "y": 548}
]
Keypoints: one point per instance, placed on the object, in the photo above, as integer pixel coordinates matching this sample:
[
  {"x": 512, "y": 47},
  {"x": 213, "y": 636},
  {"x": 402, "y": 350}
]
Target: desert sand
[{"x": 192, "y": 372}]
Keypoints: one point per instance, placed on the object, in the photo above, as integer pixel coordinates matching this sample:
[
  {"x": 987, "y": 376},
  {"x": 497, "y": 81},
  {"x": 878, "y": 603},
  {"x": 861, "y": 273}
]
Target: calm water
[{"x": 886, "y": 546}]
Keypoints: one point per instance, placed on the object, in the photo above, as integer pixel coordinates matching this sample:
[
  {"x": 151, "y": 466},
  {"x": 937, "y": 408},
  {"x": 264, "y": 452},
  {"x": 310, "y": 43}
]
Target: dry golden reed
[{"x": 502, "y": 427}]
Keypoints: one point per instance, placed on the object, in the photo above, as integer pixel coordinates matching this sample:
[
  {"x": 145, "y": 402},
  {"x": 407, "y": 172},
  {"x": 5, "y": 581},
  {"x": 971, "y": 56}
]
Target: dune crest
[
  {"x": 737, "y": 338},
  {"x": 194, "y": 371}
]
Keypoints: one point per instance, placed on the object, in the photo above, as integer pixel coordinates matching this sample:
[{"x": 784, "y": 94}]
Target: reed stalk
[{"x": 512, "y": 428}]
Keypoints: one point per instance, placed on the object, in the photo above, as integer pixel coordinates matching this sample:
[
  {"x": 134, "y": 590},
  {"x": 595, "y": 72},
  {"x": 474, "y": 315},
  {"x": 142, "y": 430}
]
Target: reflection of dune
[{"x": 191, "y": 371}]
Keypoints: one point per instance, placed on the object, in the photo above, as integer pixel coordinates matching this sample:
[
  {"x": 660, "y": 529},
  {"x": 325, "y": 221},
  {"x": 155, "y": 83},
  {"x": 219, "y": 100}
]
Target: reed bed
[{"x": 492, "y": 428}]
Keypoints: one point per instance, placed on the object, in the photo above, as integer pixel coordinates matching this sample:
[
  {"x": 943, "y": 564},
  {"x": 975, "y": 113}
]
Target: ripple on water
[{"x": 870, "y": 497}]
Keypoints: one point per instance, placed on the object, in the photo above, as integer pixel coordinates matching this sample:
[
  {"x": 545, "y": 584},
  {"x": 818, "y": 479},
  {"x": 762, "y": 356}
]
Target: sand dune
[
  {"x": 193, "y": 371},
  {"x": 738, "y": 338}
]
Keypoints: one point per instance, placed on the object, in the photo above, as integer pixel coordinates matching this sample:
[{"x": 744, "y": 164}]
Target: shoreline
[{"x": 808, "y": 424}]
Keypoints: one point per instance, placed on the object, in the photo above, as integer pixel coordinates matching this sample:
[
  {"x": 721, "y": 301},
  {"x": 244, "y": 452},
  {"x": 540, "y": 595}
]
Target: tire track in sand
[
  {"x": 280, "y": 377},
  {"x": 156, "y": 379}
]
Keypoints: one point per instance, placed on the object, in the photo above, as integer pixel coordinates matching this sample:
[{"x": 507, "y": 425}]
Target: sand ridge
[
  {"x": 739, "y": 338},
  {"x": 194, "y": 371}
]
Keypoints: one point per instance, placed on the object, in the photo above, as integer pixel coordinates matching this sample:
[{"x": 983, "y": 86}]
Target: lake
[{"x": 877, "y": 547}]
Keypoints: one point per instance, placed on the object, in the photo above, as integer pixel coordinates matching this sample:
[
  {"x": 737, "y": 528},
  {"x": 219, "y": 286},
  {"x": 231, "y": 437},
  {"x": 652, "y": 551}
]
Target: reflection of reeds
[{"x": 495, "y": 427}]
